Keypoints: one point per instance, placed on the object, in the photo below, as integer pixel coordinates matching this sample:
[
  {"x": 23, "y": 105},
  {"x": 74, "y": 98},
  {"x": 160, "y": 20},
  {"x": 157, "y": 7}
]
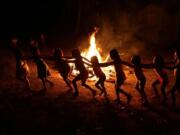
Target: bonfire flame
[{"x": 92, "y": 50}]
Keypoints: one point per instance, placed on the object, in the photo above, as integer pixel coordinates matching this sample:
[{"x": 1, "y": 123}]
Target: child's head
[
  {"x": 136, "y": 60},
  {"x": 14, "y": 41},
  {"x": 158, "y": 60},
  {"x": 114, "y": 54},
  {"x": 33, "y": 42},
  {"x": 94, "y": 60},
  {"x": 76, "y": 53},
  {"x": 58, "y": 53}
]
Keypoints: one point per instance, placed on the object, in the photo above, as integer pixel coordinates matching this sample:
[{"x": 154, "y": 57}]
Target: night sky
[{"x": 61, "y": 17}]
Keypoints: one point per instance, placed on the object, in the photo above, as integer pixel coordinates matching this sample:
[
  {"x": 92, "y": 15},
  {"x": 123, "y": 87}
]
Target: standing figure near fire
[
  {"x": 99, "y": 73},
  {"x": 83, "y": 75},
  {"x": 62, "y": 66},
  {"x": 34, "y": 48},
  {"x": 141, "y": 79},
  {"x": 162, "y": 79},
  {"x": 42, "y": 67},
  {"x": 176, "y": 85},
  {"x": 120, "y": 75},
  {"x": 22, "y": 68}
]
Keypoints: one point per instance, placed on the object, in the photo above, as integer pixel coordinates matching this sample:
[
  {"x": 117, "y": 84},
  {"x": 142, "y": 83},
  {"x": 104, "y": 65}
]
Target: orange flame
[{"x": 92, "y": 50}]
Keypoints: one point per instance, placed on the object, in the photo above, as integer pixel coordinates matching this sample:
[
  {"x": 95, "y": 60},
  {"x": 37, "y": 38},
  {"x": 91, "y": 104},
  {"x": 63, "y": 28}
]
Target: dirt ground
[{"x": 58, "y": 112}]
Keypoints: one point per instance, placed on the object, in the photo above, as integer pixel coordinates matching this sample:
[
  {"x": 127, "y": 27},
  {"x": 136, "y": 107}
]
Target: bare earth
[{"x": 58, "y": 112}]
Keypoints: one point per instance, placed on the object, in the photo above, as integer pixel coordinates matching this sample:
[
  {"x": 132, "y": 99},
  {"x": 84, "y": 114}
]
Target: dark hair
[
  {"x": 114, "y": 54},
  {"x": 76, "y": 53},
  {"x": 136, "y": 60},
  {"x": 158, "y": 60},
  {"x": 94, "y": 60},
  {"x": 58, "y": 53}
]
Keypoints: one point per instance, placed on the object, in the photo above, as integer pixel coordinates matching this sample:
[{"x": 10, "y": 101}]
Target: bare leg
[
  {"x": 67, "y": 82},
  {"x": 27, "y": 83},
  {"x": 163, "y": 91},
  {"x": 173, "y": 91},
  {"x": 44, "y": 84},
  {"x": 137, "y": 85},
  {"x": 97, "y": 86},
  {"x": 88, "y": 87},
  {"x": 154, "y": 87},
  {"x": 51, "y": 83},
  {"x": 77, "y": 78},
  {"x": 104, "y": 89},
  {"x": 143, "y": 94},
  {"x": 119, "y": 90}
]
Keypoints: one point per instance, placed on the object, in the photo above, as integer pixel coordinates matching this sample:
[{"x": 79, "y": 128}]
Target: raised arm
[
  {"x": 89, "y": 64},
  {"x": 106, "y": 64},
  {"x": 148, "y": 66},
  {"x": 86, "y": 59},
  {"x": 70, "y": 60},
  {"x": 170, "y": 63},
  {"x": 127, "y": 64},
  {"x": 173, "y": 67},
  {"x": 47, "y": 57},
  {"x": 68, "y": 57}
]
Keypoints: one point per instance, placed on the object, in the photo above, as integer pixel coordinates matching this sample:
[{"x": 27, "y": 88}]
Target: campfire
[{"x": 93, "y": 50}]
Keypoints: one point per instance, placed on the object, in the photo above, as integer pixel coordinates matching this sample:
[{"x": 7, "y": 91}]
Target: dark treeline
[{"x": 77, "y": 17}]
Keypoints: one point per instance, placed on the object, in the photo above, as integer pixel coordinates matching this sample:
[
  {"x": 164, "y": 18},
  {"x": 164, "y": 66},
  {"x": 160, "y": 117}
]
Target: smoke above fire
[{"x": 140, "y": 31}]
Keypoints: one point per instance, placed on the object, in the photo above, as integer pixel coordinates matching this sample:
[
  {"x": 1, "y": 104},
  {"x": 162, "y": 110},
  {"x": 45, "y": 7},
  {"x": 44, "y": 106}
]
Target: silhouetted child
[
  {"x": 42, "y": 67},
  {"x": 176, "y": 85},
  {"x": 23, "y": 74},
  {"x": 120, "y": 75},
  {"x": 22, "y": 68},
  {"x": 83, "y": 73},
  {"x": 34, "y": 48},
  {"x": 43, "y": 72},
  {"x": 137, "y": 65},
  {"x": 162, "y": 78},
  {"x": 99, "y": 73},
  {"x": 62, "y": 66}
]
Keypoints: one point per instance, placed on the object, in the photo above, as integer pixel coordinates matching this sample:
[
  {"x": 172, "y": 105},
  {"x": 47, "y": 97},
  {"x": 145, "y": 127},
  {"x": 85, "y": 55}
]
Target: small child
[
  {"x": 22, "y": 68},
  {"x": 120, "y": 75},
  {"x": 34, "y": 48},
  {"x": 43, "y": 72},
  {"x": 99, "y": 73},
  {"x": 176, "y": 85},
  {"x": 162, "y": 79},
  {"x": 83, "y": 75},
  {"x": 62, "y": 66},
  {"x": 23, "y": 73},
  {"x": 136, "y": 61}
]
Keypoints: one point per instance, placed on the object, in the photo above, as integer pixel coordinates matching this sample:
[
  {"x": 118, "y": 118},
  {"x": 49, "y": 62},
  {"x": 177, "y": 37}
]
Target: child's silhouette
[
  {"x": 43, "y": 72},
  {"x": 120, "y": 75},
  {"x": 176, "y": 85},
  {"x": 22, "y": 68},
  {"x": 42, "y": 67},
  {"x": 62, "y": 66},
  {"x": 162, "y": 77},
  {"x": 99, "y": 73},
  {"x": 83, "y": 73},
  {"x": 137, "y": 65}
]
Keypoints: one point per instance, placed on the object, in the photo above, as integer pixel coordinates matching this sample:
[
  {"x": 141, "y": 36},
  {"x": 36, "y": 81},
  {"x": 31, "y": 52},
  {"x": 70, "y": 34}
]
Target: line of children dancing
[{"x": 61, "y": 64}]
